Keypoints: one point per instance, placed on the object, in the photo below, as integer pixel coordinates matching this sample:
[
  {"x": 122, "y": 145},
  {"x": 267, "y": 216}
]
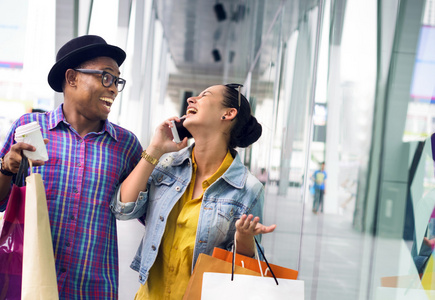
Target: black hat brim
[{"x": 56, "y": 75}]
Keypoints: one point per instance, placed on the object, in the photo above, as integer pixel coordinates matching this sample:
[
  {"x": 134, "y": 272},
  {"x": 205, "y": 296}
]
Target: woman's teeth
[{"x": 191, "y": 111}]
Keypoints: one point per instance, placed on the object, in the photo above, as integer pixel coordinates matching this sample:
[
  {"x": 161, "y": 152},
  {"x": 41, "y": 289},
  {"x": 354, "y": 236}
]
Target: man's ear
[{"x": 70, "y": 77}]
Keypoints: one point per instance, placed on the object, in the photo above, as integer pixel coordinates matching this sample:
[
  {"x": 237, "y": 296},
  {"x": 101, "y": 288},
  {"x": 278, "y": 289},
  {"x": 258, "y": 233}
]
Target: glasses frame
[
  {"x": 115, "y": 79},
  {"x": 236, "y": 86}
]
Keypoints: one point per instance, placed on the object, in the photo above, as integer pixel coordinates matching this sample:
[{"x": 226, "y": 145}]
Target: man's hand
[{"x": 12, "y": 159}]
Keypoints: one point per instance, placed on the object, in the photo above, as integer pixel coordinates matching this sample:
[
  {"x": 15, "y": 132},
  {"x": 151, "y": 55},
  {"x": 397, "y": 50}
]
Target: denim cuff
[{"x": 129, "y": 210}]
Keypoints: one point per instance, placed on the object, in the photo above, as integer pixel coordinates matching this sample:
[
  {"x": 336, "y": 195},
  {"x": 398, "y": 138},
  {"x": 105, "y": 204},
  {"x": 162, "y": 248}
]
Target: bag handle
[
  {"x": 255, "y": 255},
  {"x": 31, "y": 166},
  {"x": 257, "y": 245},
  {"x": 23, "y": 171}
]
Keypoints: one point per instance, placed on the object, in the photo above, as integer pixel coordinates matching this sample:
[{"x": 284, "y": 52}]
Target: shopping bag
[
  {"x": 252, "y": 264},
  {"x": 39, "y": 279},
  {"x": 218, "y": 286},
  {"x": 312, "y": 190},
  {"x": 207, "y": 263},
  {"x": 236, "y": 286},
  {"x": 11, "y": 239},
  {"x": 428, "y": 278},
  {"x": 11, "y": 245},
  {"x": 404, "y": 281}
]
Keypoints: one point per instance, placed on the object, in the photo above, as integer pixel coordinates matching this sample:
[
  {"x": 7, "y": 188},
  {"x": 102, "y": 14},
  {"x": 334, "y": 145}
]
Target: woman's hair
[{"x": 246, "y": 130}]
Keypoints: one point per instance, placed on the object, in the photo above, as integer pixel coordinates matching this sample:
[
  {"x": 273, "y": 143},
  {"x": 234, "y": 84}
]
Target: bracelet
[
  {"x": 5, "y": 172},
  {"x": 152, "y": 160}
]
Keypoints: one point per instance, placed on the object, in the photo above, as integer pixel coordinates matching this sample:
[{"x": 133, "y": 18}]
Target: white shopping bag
[
  {"x": 218, "y": 286},
  {"x": 39, "y": 281}
]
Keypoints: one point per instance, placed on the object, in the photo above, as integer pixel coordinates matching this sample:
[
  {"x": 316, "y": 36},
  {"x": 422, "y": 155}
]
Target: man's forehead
[{"x": 104, "y": 63}]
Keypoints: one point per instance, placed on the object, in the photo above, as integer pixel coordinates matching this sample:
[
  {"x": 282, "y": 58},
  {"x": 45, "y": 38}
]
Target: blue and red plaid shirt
[{"x": 80, "y": 177}]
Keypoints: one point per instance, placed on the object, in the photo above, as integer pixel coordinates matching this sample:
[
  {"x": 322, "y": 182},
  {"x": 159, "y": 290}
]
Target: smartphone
[{"x": 179, "y": 132}]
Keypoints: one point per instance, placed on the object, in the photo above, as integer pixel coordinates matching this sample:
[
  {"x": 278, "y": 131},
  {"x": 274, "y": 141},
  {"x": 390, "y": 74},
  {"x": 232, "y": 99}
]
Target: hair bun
[{"x": 250, "y": 133}]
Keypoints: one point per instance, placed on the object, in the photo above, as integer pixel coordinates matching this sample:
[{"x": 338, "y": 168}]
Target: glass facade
[{"x": 346, "y": 82}]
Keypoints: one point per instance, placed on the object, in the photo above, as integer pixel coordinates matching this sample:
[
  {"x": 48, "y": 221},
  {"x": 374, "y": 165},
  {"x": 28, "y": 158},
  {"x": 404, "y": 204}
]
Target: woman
[{"x": 194, "y": 199}]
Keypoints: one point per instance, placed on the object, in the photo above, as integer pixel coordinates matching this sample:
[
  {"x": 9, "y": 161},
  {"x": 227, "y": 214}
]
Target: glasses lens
[
  {"x": 107, "y": 79},
  {"x": 120, "y": 84}
]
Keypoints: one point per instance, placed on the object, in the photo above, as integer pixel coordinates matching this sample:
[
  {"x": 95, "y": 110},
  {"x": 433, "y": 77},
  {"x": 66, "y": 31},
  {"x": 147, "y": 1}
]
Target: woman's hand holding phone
[{"x": 179, "y": 132}]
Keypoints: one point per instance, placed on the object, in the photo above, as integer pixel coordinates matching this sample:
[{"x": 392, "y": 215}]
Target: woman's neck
[{"x": 209, "y": 157}]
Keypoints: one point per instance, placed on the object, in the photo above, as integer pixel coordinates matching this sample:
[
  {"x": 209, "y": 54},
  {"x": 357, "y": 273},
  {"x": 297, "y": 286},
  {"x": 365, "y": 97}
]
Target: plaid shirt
[{"x": 80, "y": 177}]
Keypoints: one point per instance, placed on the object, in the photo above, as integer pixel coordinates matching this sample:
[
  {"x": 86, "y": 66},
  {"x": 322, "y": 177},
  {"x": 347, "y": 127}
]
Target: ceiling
[{"x": 193, "y": 31}]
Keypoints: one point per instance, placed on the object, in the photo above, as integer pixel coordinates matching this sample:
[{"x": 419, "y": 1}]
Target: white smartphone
[{"x": 179, "y": 132}]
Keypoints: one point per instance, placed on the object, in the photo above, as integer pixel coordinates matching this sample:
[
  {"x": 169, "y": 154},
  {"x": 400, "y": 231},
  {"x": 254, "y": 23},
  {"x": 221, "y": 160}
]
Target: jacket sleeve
[{"x": 128, "y": 211}]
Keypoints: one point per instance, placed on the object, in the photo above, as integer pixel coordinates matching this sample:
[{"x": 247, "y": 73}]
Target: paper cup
[{"x": 31, "y": 134}]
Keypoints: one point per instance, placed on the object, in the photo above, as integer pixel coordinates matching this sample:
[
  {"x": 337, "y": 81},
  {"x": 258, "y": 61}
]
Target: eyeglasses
[
  {"x": 236, "y": 86},
  {"x": 107, "y": 79}
]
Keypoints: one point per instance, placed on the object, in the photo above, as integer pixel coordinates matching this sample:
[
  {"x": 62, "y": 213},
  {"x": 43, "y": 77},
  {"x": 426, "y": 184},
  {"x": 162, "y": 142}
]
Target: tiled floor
[{"x": 330, "y": 250}]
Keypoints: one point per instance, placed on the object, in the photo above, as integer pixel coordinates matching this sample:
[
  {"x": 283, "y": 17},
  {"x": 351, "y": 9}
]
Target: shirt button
[
  {"x": 177, "y": 188},
  {"x": 160, "y": 179},
  {"x": 72, "y": 217},
  {"x": 140, "y": 277},
  {"x": 67, "y": 244},
  {"x": 62, "y": 270},
  {"x": 171, "y": 269},
  {"x": 176, "y": 247},
  {"x": 161, "y": 218},
  {"x": 153, "y": 247},
  {"x": 79, "y": 165},
  {"x": 75, "y": 191},
  {"x": 179, "y": 225}
]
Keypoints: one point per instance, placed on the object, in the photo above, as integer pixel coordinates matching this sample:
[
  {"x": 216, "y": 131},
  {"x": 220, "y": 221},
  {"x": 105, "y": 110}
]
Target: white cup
[{"x": 31, "y": 134}]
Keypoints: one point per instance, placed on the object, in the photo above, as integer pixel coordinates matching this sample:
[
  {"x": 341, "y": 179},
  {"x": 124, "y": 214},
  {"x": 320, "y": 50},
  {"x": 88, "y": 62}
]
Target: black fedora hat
[{"x": 77, "y": 51}]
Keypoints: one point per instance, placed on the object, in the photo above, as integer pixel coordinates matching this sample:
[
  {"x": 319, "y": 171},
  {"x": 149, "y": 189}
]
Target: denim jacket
[{"x": 235, "y": 193}]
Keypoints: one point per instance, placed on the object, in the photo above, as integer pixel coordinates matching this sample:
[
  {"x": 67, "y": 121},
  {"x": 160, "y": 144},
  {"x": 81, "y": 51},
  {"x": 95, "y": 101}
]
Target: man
[
  {"x": 88, "y": 158},
  {"x": 319, "y": 178}
]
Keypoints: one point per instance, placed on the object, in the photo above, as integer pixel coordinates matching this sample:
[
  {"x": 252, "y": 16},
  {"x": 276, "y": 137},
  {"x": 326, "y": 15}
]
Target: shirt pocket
[
  {"x": 160, "y": 185},
  {"x": 228, "y": 214},
  {"x": 51, "y": 174}
]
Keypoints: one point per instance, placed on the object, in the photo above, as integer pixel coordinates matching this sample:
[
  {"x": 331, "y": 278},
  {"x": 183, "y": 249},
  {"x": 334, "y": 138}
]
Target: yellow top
[{"x": 171, "y": 271}]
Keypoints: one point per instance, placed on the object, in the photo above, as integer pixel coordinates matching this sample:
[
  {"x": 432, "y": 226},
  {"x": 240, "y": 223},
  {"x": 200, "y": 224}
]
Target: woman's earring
[{"x": 223, "y": 117}]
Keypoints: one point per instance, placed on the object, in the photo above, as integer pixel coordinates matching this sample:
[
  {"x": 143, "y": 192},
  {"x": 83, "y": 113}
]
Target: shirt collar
[
  {"x": 236, "y": 175},
  {"x": 57, "y": 116},
  {"x": 226, "y": 163}
]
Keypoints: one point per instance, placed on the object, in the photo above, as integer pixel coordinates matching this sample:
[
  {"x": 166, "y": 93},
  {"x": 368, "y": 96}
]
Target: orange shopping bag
[{"x": 252, "y": 264}]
